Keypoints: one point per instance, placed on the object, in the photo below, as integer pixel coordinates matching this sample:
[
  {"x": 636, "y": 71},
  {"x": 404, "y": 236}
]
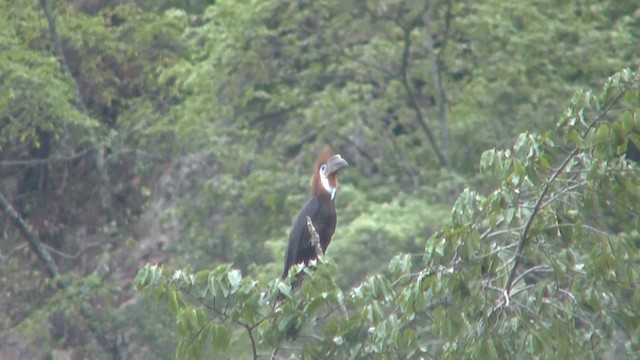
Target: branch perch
[
  {"x": 315, "y": 238},
  {"x": 315, "y": 242}
]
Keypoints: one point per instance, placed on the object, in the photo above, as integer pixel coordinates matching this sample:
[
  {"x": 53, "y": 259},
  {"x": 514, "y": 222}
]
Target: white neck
[{"x": 325, "y": 184}]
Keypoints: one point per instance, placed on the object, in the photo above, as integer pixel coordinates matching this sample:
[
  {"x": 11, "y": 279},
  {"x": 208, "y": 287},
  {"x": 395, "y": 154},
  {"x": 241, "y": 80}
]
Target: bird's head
[{"x": 325, "y": 177}]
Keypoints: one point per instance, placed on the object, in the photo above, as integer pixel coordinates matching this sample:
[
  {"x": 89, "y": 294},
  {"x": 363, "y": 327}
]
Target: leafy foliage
[
  {"x": 526, "y": 270},
  {"x": 182, "y": 133}
]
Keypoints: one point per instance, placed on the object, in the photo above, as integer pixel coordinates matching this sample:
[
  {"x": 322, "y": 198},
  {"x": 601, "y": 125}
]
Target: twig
[
  {"x": 494, "y": 251},
  {"x": 4, "y": 258},
  {"x": 535, "y": 269},
  {"x": 563, "y": 192},
  {"x": 43, "y": 161},
  {"x": 489, "y": 234},
  {"x": 524, "y": 237},
  {"x": 315, "y": 242},
  {"x": 253, "y": 341},
  {"x": 315, "y": 238},
  {"x": 226, "y": 317},
  {"x": 71, "y": 257}
]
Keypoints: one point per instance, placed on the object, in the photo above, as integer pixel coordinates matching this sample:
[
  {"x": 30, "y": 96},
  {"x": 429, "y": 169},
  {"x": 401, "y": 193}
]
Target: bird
[{"x": 320, "y": 208}]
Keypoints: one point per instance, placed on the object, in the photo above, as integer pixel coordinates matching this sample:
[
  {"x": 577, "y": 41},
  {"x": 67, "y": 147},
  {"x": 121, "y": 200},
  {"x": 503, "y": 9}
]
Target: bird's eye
[{"x": 323, "y": 169}]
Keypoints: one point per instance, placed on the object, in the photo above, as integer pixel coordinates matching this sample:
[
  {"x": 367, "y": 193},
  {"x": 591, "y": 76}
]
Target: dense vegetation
[{"x": 153, "y": 154}]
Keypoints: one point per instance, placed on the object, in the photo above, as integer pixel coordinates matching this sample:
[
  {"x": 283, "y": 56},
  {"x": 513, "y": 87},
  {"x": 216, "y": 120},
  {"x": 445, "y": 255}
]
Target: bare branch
[
  {"x": 315, "y": 238},
  {"x": 4, "y": 258},
  {"x": 44, "y": 161},
  {"x": 76, "y": 255},
  {"x": 535, "y": 269},
  {"x": 31, "y": 237},
  {"x": 413, "y": 102},
  {"x": 563, "y": 192},
  {"x": 434, "y": 71},
  {"x": 253, "y": 341}
]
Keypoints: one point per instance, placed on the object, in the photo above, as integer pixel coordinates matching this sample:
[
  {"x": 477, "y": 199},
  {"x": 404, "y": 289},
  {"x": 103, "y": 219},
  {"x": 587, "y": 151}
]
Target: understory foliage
[{"x": 543, "y": 265}]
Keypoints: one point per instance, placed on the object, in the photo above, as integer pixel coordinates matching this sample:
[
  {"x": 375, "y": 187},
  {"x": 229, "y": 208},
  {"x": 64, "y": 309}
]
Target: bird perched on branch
[{"x": 320, "y": 208}]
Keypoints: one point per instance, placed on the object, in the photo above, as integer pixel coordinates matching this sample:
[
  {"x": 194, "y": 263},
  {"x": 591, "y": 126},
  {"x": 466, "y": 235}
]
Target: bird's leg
[{"x": 315, "y": 238}]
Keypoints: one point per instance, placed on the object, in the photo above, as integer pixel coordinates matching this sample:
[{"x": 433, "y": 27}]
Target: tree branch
[
  {"x": 315, "y": 238},
  {"x": 76, "y": 255},
  {"x": 28, "y": 233},
  {"x": 39, "y": 248},
  {"x": 48, "y": 160},
  {"x": 524, "y": 237},
  {"x": 434, "y": 71},
  {"x": 99, "y": 158},
  {"x": 413, "y": 102},
  {"x": 253, "y": 341}
]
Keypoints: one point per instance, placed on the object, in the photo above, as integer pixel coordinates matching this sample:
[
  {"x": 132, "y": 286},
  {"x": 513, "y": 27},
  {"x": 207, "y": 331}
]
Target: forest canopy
[{"x": 154, "y": 154}]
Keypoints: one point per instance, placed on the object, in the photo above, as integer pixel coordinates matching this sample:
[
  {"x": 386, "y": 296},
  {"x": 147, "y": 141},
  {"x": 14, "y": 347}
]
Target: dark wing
[{"x": 299, "y": 248}]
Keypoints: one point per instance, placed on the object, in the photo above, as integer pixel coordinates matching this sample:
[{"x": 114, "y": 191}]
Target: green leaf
[
  {"x": 222, "y": 285},
  {"x": 235, "y": 279},
  {"x": 518, "y": 172},
  {"x": 489, "y": 350},
  {"x": 284, "y": 322},
  {"x": 285, "y": 290},
  {"x": 602, "y": 134},
  {"x": 573, "y": 137},
  {"x": 220, "y": 337},
  {"x": 181, "y": 323},
  {"x": 636, "y": 297},
  {"x": 173, "y": 301},
  {"x": 191, "y": 319},
  {"x": 201, "y": 283},
  {"x": 486, "y": 161},
  {"x": 142, "y": 277},
  {"x": 212, "y": 284}
]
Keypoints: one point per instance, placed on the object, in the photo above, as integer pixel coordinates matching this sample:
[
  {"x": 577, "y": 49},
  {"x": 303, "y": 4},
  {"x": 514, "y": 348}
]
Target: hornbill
[{"x": 320, "y": 208}]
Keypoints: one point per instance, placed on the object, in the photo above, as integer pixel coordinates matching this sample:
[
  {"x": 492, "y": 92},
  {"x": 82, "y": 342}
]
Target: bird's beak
[{"x": 336, "y": 163}]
